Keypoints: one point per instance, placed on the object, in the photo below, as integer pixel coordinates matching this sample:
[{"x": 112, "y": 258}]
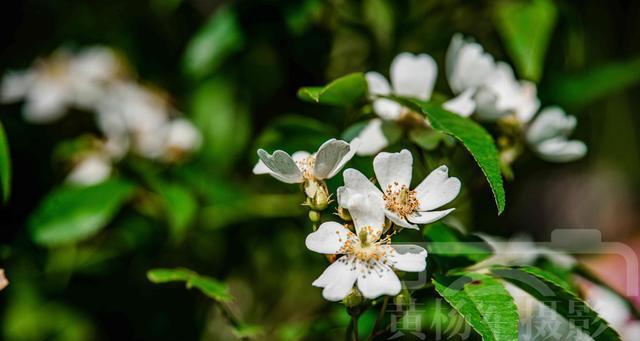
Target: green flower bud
[
  {"x": 354, "y": 298},
  {"x": 314, "y": 216},
  {"x": 320, "y": 199}
]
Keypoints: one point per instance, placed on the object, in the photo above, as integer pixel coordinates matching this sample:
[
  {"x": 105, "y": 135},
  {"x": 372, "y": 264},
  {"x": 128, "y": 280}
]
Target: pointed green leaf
[
  {"x": 557, "y": 295},
  {"x": 344, "y": 91},
  {"x": 476, "y": 139},
  {"x": 71, "y": 214},
  {"x": 526, "y": 28},
  {"x": 5, "y": 166},
  {"x": 180, "y": 207},
  {"x": 483, "y": 302}
]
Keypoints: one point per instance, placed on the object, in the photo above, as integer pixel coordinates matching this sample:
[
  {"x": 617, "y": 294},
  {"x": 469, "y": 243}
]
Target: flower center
[
  {"x": 306, "y": 166},
  {"x": 367, "y": 247},
  {"x": 400, "y": 200}
]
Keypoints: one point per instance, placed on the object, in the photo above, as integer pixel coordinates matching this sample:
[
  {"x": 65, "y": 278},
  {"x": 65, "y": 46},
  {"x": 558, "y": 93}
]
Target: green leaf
[
  {"x": 426, "y": 139},
  {"x": 5, "y": 166},
  {"x": 379, "y": 16},
  {"x": 216, "y": 40},
  {"x": 483, "y": 302},
  {"x": 207, "y": 285},
  {"x": 557, "y": 295},
  {"x": 476, "y": 139},
  {"x": 344, "y": 91},
  {"x": 248, "y": 331},
  {"x": 596, "y": 83},
  {"x": 71, "y": 214},
  {"x": 526, "y": 28},
  {"x": 180, "y": 207}
]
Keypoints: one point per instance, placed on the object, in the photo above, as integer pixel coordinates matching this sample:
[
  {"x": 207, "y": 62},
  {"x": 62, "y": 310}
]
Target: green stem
[
  {"x": 379, "y": 319},
  {"x": 354, "y": 321}
]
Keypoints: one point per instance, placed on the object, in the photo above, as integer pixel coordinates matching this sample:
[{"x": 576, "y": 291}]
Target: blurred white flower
[
  {"x": 3, "y": 280},
  {"x": 90, "y": 170},
  {"x": 63, "y": 80},
  {"x": 548, "y": 136},
  {"x": 613, "y": 309},
  {"x": 403, "y": 206},
  {"x": 412, "y": 76},
  {"x": 491, "y": 85},
  {"x": 304, "y": 167},
  {"x": 180, "y": 137},
  {"x": 367, "y": 259}
]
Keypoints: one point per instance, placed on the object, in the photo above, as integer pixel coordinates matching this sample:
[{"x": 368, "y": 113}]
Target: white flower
[
  {"x": 491, "y": 85},
  {"x": 367, "y": 259},
  {"x": 548, "y": 136},
  {"x": 61, "y": 81},
  {"x": 90, "y": 170},
  {"x": 412, "y": 76},
  {"x": 181, "y": 137},
  {"x": 403, "y": 206},
  {"x": 304, "y": 167}
]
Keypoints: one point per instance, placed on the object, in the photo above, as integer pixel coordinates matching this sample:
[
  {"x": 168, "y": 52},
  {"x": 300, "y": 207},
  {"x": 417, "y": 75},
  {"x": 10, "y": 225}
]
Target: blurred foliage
[{"x": 77, "y": 257}]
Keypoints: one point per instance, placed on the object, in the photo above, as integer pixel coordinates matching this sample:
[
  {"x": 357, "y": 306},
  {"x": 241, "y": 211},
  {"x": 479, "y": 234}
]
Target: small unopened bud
[
  {"x": 344, "y": 214},
  {"x": 403, "y": 299},
  {"x": 353, "y": 299},
  {"x": 314, "y": 216},
  {"x": 320, "y": 199}
]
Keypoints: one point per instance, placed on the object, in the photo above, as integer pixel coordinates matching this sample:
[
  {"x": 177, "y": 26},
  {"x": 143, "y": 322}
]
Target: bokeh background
[{"x": 233, "y": 68}]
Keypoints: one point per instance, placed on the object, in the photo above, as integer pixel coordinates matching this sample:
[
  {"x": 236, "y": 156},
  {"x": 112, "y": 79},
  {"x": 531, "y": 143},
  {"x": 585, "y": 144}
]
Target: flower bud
[
  {"x": 353, "y": 299},
  {"x": 403, "y": 299},
  {"x": 320, "y": 199},
  {"x": 314, "y": 216}
]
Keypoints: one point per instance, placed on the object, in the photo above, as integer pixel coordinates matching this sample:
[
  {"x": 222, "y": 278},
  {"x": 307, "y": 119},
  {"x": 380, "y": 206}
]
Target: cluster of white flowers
[
  {"x": 484, "y": 88},
  {"x": 366, "y": 256},
  {"x": 131, "y": 117},
  {"x": 614, "y": 310}
]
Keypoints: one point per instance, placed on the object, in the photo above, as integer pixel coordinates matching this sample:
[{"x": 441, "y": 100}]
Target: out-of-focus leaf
[
  {"x": 301, "y": 14},
  {"x": 70, "y": 214},
  {"x": 207, "y": 285},
  {"x": 350, "y": 48},
  {"x": 526, "y": 28},
  {"x": 483, "y": 302},
  {"x": 248, "y": 331},
  {"x": 5, "y": 166},
  {"x": 220, "y": 37},
  {"x": 596, "y": 83},
  {"x": 557, "y": 295},
  {"x": 180, "y": 207},
  {"x": 427, "y": 139},
  {"x": 476, "y": 139},
  {"x": 378, "y": 14},
  {"x": 224, "y": 122},
  {"x": 344, "y": 91}
]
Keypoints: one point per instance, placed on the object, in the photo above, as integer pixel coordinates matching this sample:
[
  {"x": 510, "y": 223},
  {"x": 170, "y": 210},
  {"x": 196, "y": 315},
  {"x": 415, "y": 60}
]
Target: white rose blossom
[
  {"x": 302, "y": 167},
  {"x": 402, "y": 205},
  {"x": 366, "y": 258},
  {"x": 412, "y": 76},
  {"x": 91, "y": 170},
  {"x": 548, "y": 136},
  {"x": 491, "y": 85}
]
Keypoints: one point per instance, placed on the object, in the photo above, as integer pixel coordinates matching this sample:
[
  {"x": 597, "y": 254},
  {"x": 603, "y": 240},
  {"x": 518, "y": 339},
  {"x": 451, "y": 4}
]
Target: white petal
[
  {"x": 282, "y": 166},
  {"x": 527, "y": 103},
  {"x": 377, "y": 83},
  {"x": 16, "y": 85},
  {"x": 428, "y": 217},
  {"x": 331, "y": 157},
  {"x": 391, "y": 168},
  {"x": 412, "y": 258},
  {"x": 182, "y": 135},
  {"x": 338, "y": 279},
  {"x": 46, "y": 102},
  {"x": 561, "y": 150},
  {"x": 353, "y": 148},
  {"x": 300, "y": 155},
  {"x": 356, "y": 183},
  {"x": 463, "y": 105},
  {"x": 90, "y": 171},
  {"x": 261, "y": 168},
  {"x": 437, "y": 189},
  {"x": 367, "y": 210},
  {"x": 379, "y": 281},
  {"x": 387, "y": 109},
  {"x": 413, "y": 75},
  {"x": 396, "y": 219},
  {"x": 551, "y": 122},
  {"x": 468, "y": 66},
  {"x": 372, "y": 139},
  {"x": 329, "y": 238}
]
